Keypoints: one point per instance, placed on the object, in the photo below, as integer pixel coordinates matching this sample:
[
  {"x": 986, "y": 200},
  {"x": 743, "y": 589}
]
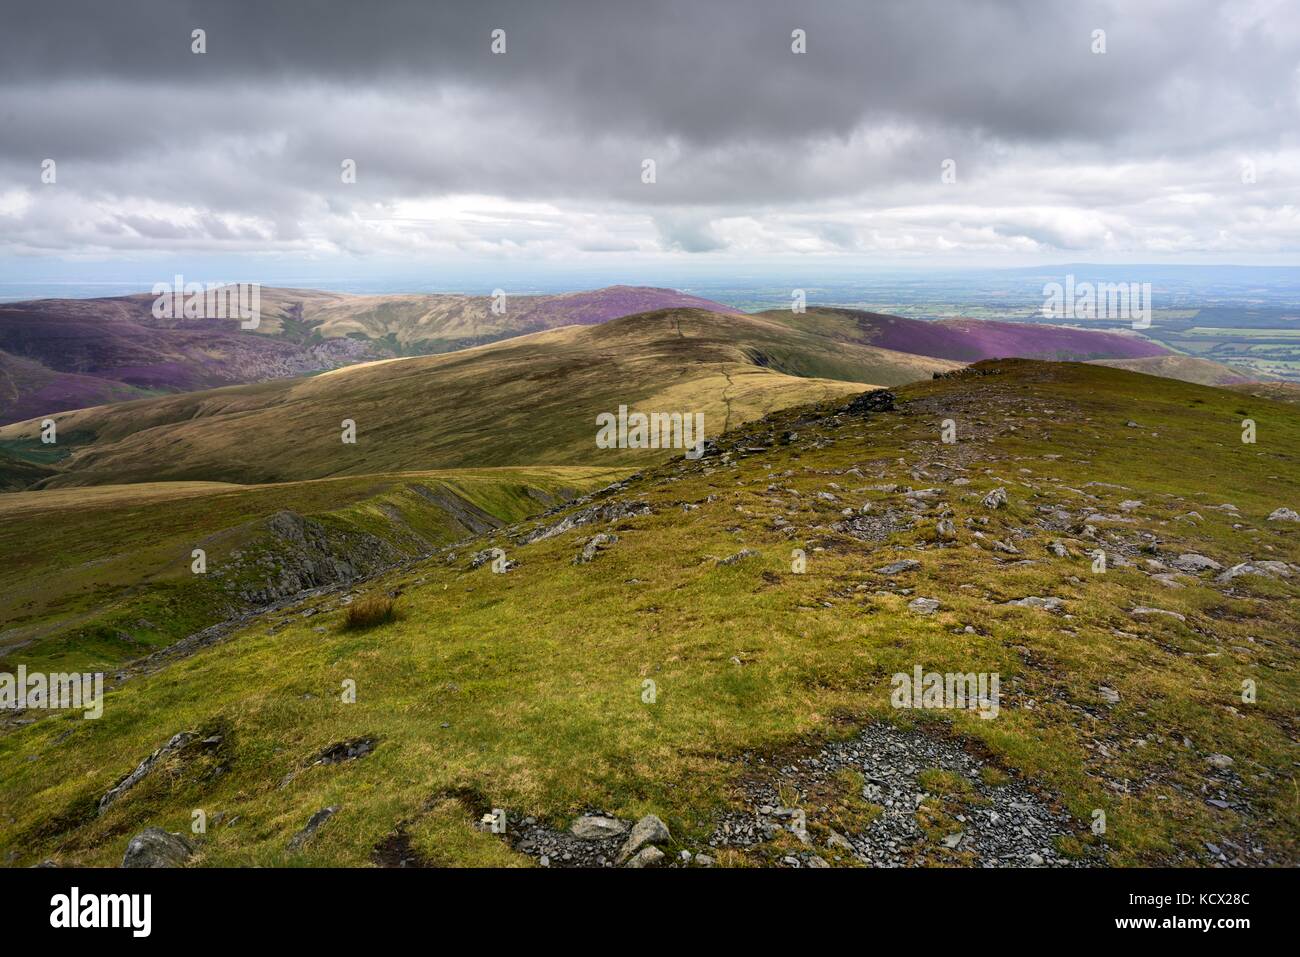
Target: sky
[{"x": 1180, "y": 143}]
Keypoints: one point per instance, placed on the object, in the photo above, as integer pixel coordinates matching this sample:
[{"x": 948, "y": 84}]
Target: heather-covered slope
[
  {"x": 29, "y": 388},
  {"x": 83, "y": 352},
  {"x": 969, "y": 340},
  {"x": 530, "y": 400},
  {"x": 71, "y": 353}
]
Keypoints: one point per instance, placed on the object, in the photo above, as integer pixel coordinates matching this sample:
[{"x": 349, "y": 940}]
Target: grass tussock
[{"x": 369, "y": 612}]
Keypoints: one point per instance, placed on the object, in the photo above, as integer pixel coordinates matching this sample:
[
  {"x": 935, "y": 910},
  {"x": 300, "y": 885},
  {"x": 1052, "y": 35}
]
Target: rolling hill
[
  {"x": 717, "y": 643},
  {"x": 59, "y": 354},
  {"x": 529, "y": 400},
  {"x": 968, "y": 340},
  {"x": 1184, "y": 368}
]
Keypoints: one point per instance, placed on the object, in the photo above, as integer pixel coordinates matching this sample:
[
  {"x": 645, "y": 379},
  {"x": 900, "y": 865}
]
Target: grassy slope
[
  {"x": 90, "y": 578},
  {"x": 527, "y": 401},
  {"x": 523, "y": 690},
  {"x": 1186, "y": 368}
]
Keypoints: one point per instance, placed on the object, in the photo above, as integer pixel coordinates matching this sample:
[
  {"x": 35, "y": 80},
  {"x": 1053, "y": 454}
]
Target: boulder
[
  {"x": 154, "y": 847},
  {"x": 995, "y": 499},
  {"x": 1193, "y": 563}
]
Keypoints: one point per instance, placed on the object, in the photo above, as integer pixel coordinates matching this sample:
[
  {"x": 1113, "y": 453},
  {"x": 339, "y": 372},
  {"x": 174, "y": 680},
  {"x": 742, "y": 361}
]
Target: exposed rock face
[
  {"x": 1284, "y": 515},
  {"x": 611, "y": 512},
  {"x": 467, "y": 515},
  {"x": 300, "y": 554},
  {"x": 924, "y": 606},
  {"x": 154, "y": 847},
  {"x": 176, "y": 744}
]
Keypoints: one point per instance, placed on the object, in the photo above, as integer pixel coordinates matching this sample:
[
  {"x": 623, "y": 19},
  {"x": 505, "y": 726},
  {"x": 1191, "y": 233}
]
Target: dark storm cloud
[
  {"x": 256, "y": 127},
  {"x": 707, "y": 72}
]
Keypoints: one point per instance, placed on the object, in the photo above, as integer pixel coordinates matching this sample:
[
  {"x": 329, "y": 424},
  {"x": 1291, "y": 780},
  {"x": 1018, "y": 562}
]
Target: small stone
[
  {"x": 646, "y": 857},
  {"x": 312, "y": 826},
  {"x": 1220, "y": 761},
  {"x": 1037, "y": 601},
  {"x": 1108, "y": 695},
  {"x": 895, "y": 568},
  {"x": 924, "y": 606},
  {"x": 1283, "y": 515},
  {"x": 839, "y": 842},
  {"x": 595, "y": 827},
  {"x": 649, "y": 830},
  {"x": 738, "y": 557},
  {"x": 1142, "y": 611}
]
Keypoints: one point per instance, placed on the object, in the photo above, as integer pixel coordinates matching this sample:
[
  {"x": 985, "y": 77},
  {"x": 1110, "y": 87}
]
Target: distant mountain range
[
  {"x": 528, "y": 400},
  {"x": 58, "y": 354},
  {"x": 62, "y": 354}
]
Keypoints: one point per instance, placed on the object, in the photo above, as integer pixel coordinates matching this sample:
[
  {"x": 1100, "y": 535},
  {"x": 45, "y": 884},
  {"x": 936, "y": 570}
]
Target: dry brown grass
[{"x": 370, "y": 611}]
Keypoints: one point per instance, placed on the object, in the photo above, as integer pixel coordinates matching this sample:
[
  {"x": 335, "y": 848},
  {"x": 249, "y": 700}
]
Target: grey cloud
[{"x": 242, "y": 145}]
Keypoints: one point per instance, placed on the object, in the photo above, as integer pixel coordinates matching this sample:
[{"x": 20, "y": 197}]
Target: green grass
[
  {"x": 92, "y": 578},
  {"x": 525, "y": 689}
]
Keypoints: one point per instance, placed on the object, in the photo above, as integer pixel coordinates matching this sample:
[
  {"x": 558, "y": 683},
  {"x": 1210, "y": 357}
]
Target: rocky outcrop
[
  {"x": 175, "y": 745},
  {"x": 154, "y": 847},
  {"x": 879, "y": 400}
]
